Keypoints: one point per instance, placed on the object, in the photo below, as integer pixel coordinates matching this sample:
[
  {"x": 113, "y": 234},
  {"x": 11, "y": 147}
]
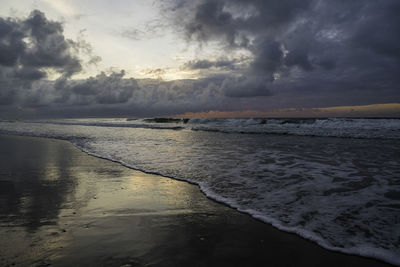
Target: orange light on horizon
[{"x": 374, "y": 110}]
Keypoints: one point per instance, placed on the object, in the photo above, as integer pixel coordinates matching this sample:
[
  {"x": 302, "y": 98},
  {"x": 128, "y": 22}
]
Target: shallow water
[{"x": 343, "y": 193}]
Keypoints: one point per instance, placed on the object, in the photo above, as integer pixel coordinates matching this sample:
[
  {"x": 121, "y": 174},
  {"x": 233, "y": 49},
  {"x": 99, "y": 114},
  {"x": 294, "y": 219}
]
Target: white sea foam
[
  {"x": 342, "y": 193},
  {"x": 333, "y": 127}
]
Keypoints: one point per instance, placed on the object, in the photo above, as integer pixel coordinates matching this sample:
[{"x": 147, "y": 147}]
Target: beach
[{"x": 62, "y": 207}]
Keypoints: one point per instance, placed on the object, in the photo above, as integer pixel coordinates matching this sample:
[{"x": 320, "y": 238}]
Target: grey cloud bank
[
  {"x": 345, "y": 46},
  {"x": 28, "y": 48},
  {"x": 301, "y": 54}
]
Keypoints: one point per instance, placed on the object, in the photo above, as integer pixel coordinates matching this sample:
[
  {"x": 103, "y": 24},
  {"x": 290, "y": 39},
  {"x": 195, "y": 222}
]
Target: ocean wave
[
  {"x": 360, "y": 250},
  {"x": 327, "y": 127},
  {"x": 340, "y": 193},
  {"x": 331, "y": 127},
  {"x": 166, "y": 120}
]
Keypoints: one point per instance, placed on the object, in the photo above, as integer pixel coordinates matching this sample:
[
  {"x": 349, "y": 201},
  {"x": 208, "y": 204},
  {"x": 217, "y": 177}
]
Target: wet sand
[{"x": 62, "y": 207}]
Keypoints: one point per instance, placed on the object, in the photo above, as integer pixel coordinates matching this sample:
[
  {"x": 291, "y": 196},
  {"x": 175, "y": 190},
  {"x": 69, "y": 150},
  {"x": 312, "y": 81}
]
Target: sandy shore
[{"x": 61, "y": 207}]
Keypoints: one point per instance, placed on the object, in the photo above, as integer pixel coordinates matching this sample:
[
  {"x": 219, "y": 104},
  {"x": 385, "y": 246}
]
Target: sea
[{"x": 335, "y": 181}]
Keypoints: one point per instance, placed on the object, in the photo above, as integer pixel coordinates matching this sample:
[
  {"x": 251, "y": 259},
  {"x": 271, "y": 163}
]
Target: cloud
[
  {"x": 206, "y": 64},
  {"x": 234, "y": 22},
  {"x": 171, "y": 97},
  {"x": 83, "y": 49},
  {"x": 158, "y": 73},
  {"x": 151, "y": 29},
  {"x": 34, "y": 48},
  {"x": 102, "y": 89},
  {"x": 133, "y": 34},
  {"x": 29, "y": 49},
  {"x": 47, "y": 46},
  {"x": 319, "y": 45},
  {"x": 291, "y": 54},
  {"x": 254, "y": 86}
]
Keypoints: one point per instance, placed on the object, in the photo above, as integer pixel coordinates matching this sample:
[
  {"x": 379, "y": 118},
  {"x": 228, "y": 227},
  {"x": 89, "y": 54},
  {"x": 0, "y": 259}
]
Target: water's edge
[{"x": 307, "y": 235}]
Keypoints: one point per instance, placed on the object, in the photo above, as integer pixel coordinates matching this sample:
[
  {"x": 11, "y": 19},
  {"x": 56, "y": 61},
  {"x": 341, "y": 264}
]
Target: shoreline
[{"x": 188, "y": 210}]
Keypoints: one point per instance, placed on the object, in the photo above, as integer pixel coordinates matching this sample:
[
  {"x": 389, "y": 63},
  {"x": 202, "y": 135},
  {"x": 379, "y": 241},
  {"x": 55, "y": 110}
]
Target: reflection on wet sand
[
  {"x": 35, "y": 181},
  {"x": 52, "y": 195}
]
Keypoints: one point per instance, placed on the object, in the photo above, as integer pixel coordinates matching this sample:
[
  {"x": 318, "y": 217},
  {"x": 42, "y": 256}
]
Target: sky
[{"x": 147, "y": 58}]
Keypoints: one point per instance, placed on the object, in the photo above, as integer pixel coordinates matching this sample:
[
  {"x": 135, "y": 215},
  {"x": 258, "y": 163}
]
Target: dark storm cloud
[
  {"x": 308, "y": 46},
  {"x": 254, "y": 86},
  {"x": 293, "y": 54},
  {"x": 32, "y": 47},
  {"x": 47, "y": 46},
  {"x": 113, "y": 95},
  {"x": 179, "y": 95},
  {"x": 206, "y": 64},
  {"x": 103, "y": 89},
  {"x": 236, "y": 22},
  {"x": 29, "y": 48}
]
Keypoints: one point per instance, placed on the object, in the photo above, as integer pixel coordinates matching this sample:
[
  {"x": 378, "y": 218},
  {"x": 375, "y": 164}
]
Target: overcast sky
[{"x": 157, "y": 58}]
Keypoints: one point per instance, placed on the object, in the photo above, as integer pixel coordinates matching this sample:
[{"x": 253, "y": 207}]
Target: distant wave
[
  {"x": 108, "y": 124},
  {"x": 325, "y": 127},
  {"x": 166, "y": 120}
]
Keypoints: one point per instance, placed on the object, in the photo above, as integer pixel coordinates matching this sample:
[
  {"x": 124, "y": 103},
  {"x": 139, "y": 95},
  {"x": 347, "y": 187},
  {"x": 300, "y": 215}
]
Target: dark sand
[{"x": 61, "y": 207}]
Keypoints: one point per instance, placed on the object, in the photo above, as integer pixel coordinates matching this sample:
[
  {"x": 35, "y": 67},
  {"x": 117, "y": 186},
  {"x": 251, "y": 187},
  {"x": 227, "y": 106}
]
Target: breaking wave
[{"x": 329, "y": 127}]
